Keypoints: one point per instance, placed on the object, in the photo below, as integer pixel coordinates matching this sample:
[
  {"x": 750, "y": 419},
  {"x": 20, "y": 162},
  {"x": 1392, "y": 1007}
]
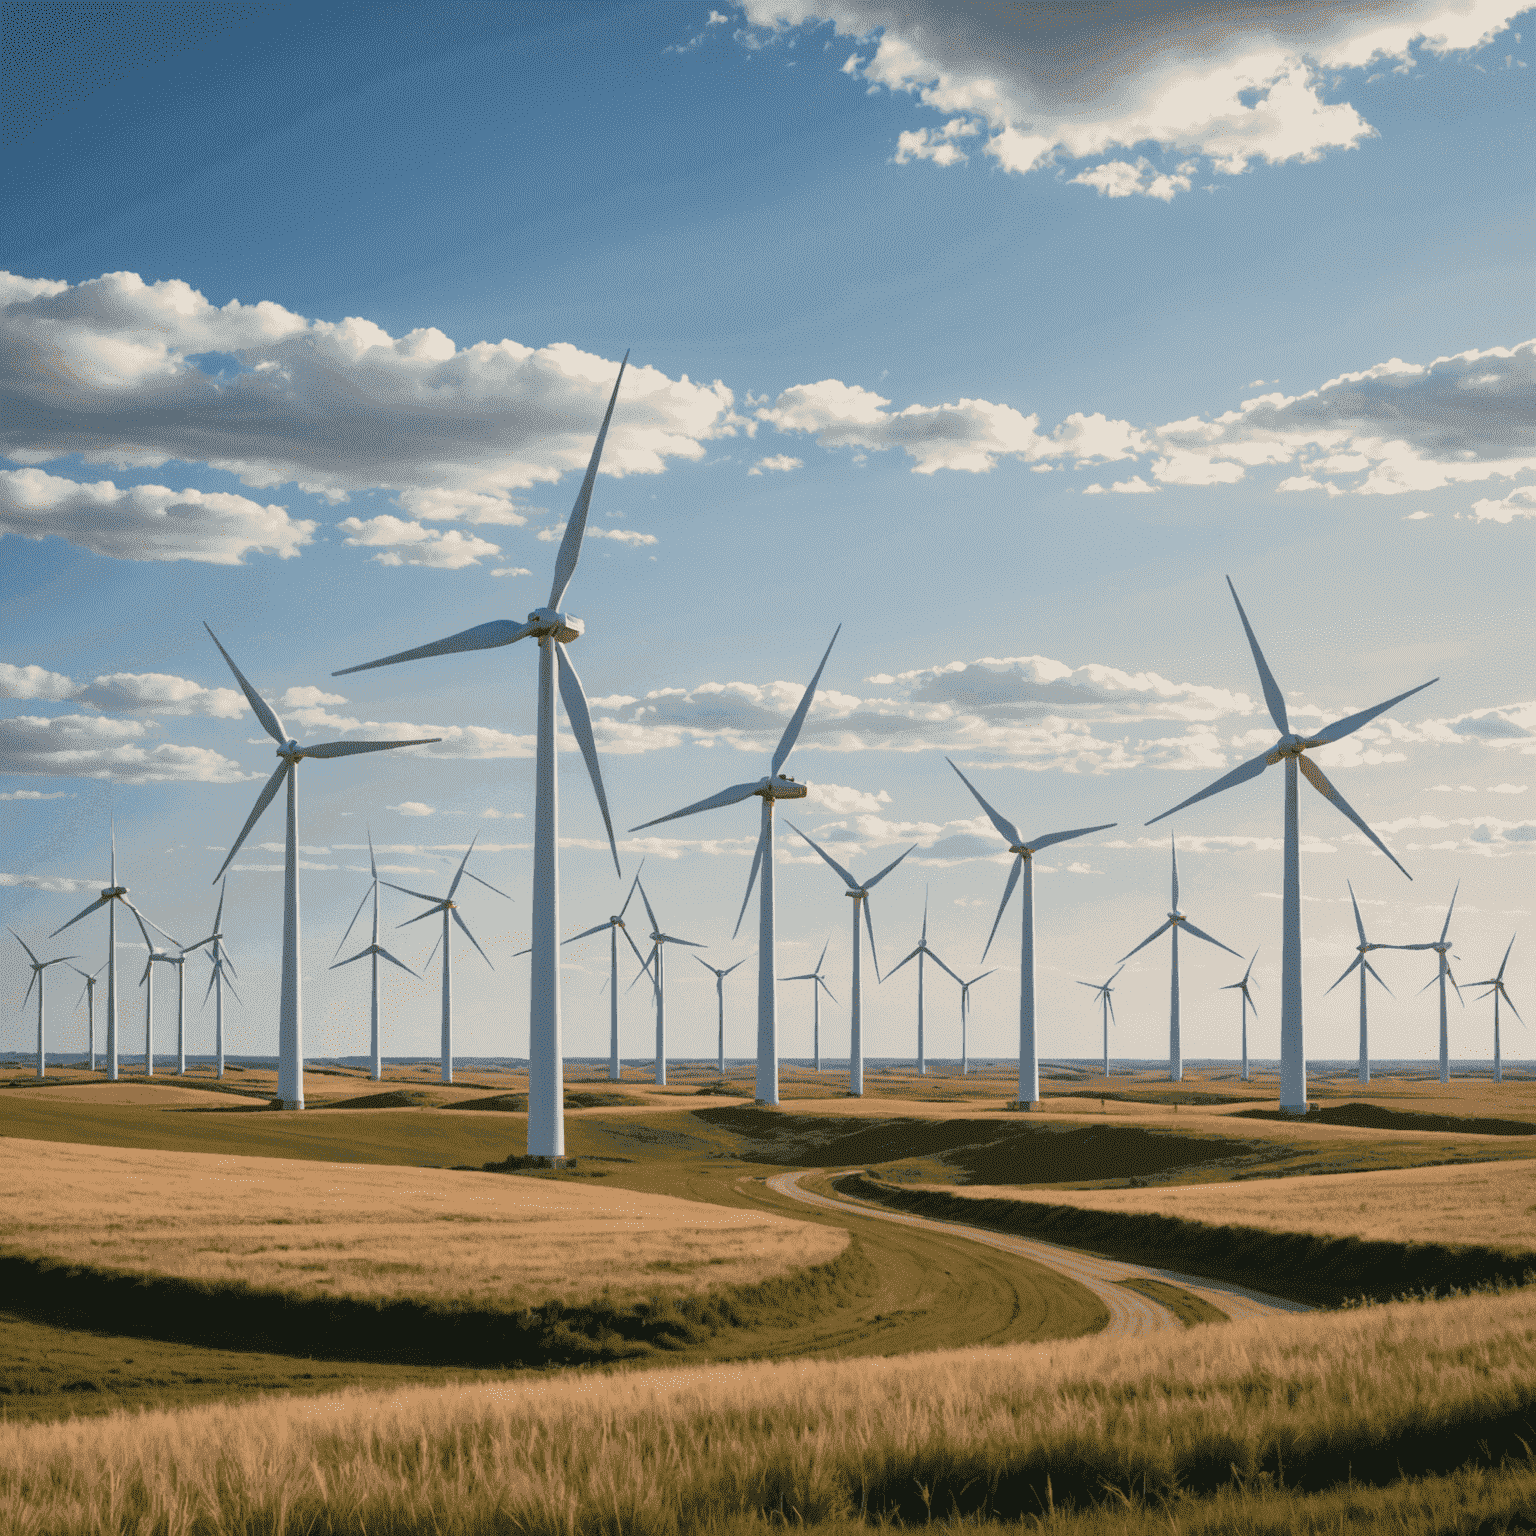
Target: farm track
[{"x": 1131, "y": 1315}]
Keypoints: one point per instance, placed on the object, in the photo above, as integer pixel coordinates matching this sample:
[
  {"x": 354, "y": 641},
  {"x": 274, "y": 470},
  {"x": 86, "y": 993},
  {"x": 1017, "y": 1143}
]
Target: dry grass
[
  {"x": 1324, "y": 1398},
  {"x": 1492, "y": 1205},
  {"x": 381, "y": 1234}
]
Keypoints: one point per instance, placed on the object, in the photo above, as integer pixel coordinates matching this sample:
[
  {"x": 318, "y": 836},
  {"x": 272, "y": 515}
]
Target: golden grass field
[
  {"x": 1322, "y": 1398},
  {"x": 422, "y": 1234}
]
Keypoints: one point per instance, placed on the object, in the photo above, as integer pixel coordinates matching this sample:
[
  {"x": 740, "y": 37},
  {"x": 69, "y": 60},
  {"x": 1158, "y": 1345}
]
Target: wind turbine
[
  {"x": 179, "y": 960},
  {"x": 614, "y": 926},
  {"x": 1289, "y": 750},
  {"x": 109, "y": 899},
  {"x": 554, "y": 631},
  {"x": 1442, "y": 948},
  {"x": 1176, "y": 920},
  {"x": 819, "y": 986},
  {"x": 450, "y": 910},
  {"x": 776, "y": 786},
  {"x": 1363, "y": 965},
  {"x": 88, "y": 997},
  {"x": 720, "y": 976},
  {"x": 1248, "y": 1002},
  {"x": 1024, "y": 859},
  {"x": 921, "y": 953},
  {"x": 38, "y": 967},
  {"x": 374, "y": 951},
  {"x": 1496, "y": 986},
  {"x": 217, "y": 980},
  {"x": 290, "y": 1016},
  {"x": 859, "y": 895},
  {"x": 965, "y": 1007},
  {"x": 1107, "y": 1008},
  {"x": 659, "y": 941}
]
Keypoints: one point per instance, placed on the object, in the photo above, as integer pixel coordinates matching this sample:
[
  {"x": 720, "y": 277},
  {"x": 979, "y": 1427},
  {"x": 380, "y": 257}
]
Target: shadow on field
[{"x": 1372, "y": 1117}]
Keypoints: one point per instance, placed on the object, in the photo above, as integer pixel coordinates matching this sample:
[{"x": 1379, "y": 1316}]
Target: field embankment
[{"x": 1313, "y": 1402}]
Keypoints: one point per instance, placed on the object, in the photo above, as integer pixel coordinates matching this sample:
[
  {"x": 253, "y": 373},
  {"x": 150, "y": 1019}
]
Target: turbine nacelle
[
  {"x": 780, "y": 786},
  {"x": 548, "y": 624},
  {"x": 114, "y": 890},
  {"x": 1293, "y": 745}
]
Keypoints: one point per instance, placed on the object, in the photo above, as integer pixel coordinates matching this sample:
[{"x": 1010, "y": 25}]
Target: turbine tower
[
  {"x": 614, "y": 927},
  {"x": 659, "y": 941},
  {"x": 776, "y": 786},
  {"x": 109, "y": 899},
  {"x": 38, "y": 967},
  {"x": 1363, "y": 965},
  {"x": 450, "y": 910},
  {"x": 1248, "y": 1002},
  {"x": 965, "y": 1008},
  {"x": 1176, "y": 920},
  {"x": 290, "y": 1017},
  {"x": 1024, "y": 859},
  {"x": 374, "y": 952},
  {"x": 921, "y": 953},
  {"x": 1442, "y": 948},
  {"x": 1496, "y": 991},
  {"x": 88, "y": 997},
  {"x": 554, "y": 631},
  {"x": 1289, "y": 750},
  {"x": 819, "y": 986},
  {"x": 859, "y": 896},
  {"x": 1107, "y": 1009},
  {"x": 720, "y": 976},
  {"x": 219, "y": 957},
  {"x": 179, "y": 960}
]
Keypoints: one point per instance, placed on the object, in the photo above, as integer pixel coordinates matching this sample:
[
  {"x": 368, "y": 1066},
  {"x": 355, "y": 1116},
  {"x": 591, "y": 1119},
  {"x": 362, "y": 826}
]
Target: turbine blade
[
  {"x": 212, "y": 976},
  {"x": 740, "y": 962},
  {"x": 827, "y": 941},
  {"x": 1450, "y": 909},
  {"x": 848, "y": 879},
  {"x": 924, "y": 937},
  {"x": 1013, "y": 880},
  {"x": 705, "y": 963},
  {"x": 433, "y": 953},
  {"x": 487, "y": 884},
  {"x": 28, "y": 993},
  {"x": 1372, "y": 969},
  {"x": 1450, "y": 976},
  {"x": 1350, "y": 723},
  {"x": 1157, "y": 934},
  {"x": 187, "y": 949},
  {"x": 576, "y": 525},
  {"x": 350, "y": 926},
  {"x": 1272, "y": 695},
  {"x": 462, "y": 862},
  {"x": 152, "y": 923},
  {"x": 1239, "y": 775},
  {"x": 352, "y": 748},
  {"x": 668, "y": 938},
  {"x": 587, "y": 933},
  {"x": 1005, "y": 828},
  {"x": 468, "y": 935},
  {"x": 913, "y": 956},
  {"x": 757, "y": 859},
  {"x": 875, "y": 880},
  {"x": 1246, "y": 974},
  {"x": 1359, "y": 923},
  {"x": 655, "y": 926},
  {"x": 100, "y": 901},
  {"x": 633, "y": 884},
  {"x": 1508, "y": 1004},
  {"x": 384, "y": 954},
  {"x": 580, "y": 718},
  {"x": 482, "y": 637},
  {"x": 645, "y": 970},
  {"x": 263, "y": 800},
  {"x": 731, "y": 796},
  {"x": 431, "y": 911},
  {"x": 1318, "y": 780},
  {"x": 28, "y": 947},
  {"x": 1359, "y": 960},
  {"x": 234, "y": 994},
  {"x": 825, "y": 988},
  {"x": 1200, "y": 933},
  {"x": 944, "y": 967},
  {"x": 792, "y": 730},
  {"x": 1505, "y": 960},
  {"x": 419, "y": 895},
  {"x": 638, "y": 956},
  {"x": 259, "y": 706},
  {"x": 372, "y": 865},
  {"x": 362, "y": 954},
  {"x": 1062, "y": 837},
  {"x": 1173, "y": 850}
]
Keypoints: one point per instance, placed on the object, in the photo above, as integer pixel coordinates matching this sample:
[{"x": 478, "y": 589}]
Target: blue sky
[{"x": 1001, "y": 347}]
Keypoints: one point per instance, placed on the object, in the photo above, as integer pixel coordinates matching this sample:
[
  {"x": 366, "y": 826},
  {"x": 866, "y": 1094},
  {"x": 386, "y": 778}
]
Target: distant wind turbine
[
  {"x": 38, "y": 968},
  {"x": 88, "y": 997},
  {"x": 818, "y": 986},
  {"x": 1496, "y": 991},
  {"x": 217, "y": 981},
  {"x": 720, "y": 976},
  {"x": 1107, "y": 1009},
  {"x": 554, "y": 631},
  {"x": 1248, "y": 1002},
  {"x": 777, "y": 785},
  {"x": 1442, "y": 948},
  {"x": 1364, "y": 966},
  {"x": 657, "y": 957},
  {"x": 1024, "y": 860},
  {"x": 450, "y": 910},
  {"x": 965, "y": 1008},
  {"x": 921, "y": 953},
  {"x": 374, "y": 952},
  {"x": 1289, "y": 750},
  {"x": 614, "y": 926},
  {"x": 859, "y": 895},
  {"x": 290, "y": 1017},
  {"x": 147, "y": 981},
  {"x": 1176, "y": 920}
]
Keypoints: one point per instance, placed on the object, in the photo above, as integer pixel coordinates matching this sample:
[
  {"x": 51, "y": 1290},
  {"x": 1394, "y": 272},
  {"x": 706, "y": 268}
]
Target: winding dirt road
[{"x": 1131, "y": 1314}]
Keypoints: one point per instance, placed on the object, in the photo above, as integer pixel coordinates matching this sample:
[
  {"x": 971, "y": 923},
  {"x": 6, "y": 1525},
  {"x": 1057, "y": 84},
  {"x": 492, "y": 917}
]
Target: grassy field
[{"x": 1316, "y": 1401}]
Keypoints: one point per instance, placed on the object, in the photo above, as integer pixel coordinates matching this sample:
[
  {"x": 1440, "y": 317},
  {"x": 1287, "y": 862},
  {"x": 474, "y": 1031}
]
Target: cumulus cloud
[
  {"x": 1135, "y": 486},
  {"x": 776, "y": 463},
  {"x": 161, "y": 692},
  {"x": 33, "y": 682},
  {"x": 406, "y": 543},
  {"x": 1521, "y": 502},
  {"x": 95, "y": 747},
  {"x": 413, "y": 808},
  {"x": 59, "y": 885},
  {"x": 511, "y": 570},
  {"x": 629, "y": 536},
  {"x": 1486, "y": 836},
  {"x": 1229, "y": 85},
  {"x": 35, "y": 794},
  {"x": 146, "y": 522}
]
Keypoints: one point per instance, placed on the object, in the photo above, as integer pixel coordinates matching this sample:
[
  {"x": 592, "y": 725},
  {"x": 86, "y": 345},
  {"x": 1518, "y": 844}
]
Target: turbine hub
[
  {"x": 781, "y": 787},
  {"x": 549, "y": 624},
  {"x": 114, "y": 890},
  {"x": 1175, "y": 917}
]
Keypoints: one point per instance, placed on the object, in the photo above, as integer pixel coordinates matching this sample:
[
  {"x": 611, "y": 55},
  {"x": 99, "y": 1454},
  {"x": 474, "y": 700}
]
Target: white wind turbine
[
  {"x": 1496, "y": 991},
  {"x": 1248, "y": 1002},
  {"x": 657, "y": 956},
  {"x": 1442, "y": 948},
  {"x": 450, "y": 910},
  {"x": 290, "y": 1017},
  {"x": 374, "y": 951},
  {"x": 965, "y": 1009},
  {"x": 614, "y": 926},
  {"x": 920, "y": 954},
  {"x": 1024, "y": 859},
  {"x": 147, "y": 981},
  {"x": 1289, "y": 750},
  {"x": 776, "y": 786},
  {"x": 720, "y": 976},
  {"x": 1364, "y": 966},
  {"x": 38, "y": 967},
  {"x": 88, "y": 997},
  {"x": 859, "y": 895},
  {"x": 1176, "y": 921},
  {"x": 554, "y": 631},
  {"x": 818, "y": 986},
  {"x": 217, "y": 981},
  {"x": 1107, "y": 1009},
  {"x": 109, "y": 899}
]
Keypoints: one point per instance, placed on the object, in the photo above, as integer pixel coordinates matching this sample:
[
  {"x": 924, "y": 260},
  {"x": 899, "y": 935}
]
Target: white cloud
[
  {"x": 32, "y": 682},
  {"x": 1485, "y": 836},
  {"x": 780, "y": 463},
  {"x": 1135, "y": 486},
  {"x": 1120, "y": 178},
  {"x": 1521, "y": 502},
  {"x": 94, "y": 747},
  {"x": 405, "y": 543},
  {"x": 59, "y": 885},
  {"x": 35, "y": 794},
  {"x": 492, "y": 814},
  {"x": 1507, "y": 789},
  {"x": 1412, "y": 517},
  {"x": 838, "y": 800},
  {"x": 936, "y": 144},
  {"x": 511, "y": 570},
  {"x": 627, "y": 536},
  {"x": 146, "y": 522},
  {"x": 162, "y": 692},
  {"x": 413, "y": 808}
]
